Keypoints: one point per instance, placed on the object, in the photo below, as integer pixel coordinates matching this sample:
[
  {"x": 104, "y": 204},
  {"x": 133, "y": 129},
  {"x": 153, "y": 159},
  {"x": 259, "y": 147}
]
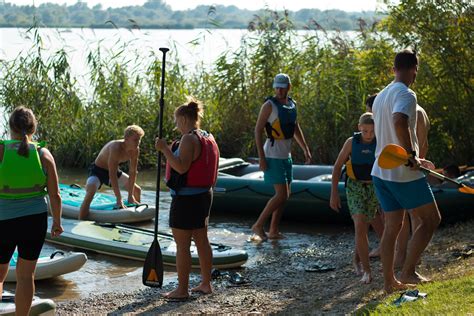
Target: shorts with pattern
[{"x": 361, "y": 198}]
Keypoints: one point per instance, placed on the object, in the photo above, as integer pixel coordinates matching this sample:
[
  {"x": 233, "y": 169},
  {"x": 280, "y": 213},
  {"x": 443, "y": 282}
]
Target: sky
[{"x": 293, "y": 5}]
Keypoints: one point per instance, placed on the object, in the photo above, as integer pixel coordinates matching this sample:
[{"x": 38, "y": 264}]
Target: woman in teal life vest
[
  {"x": 191, "y": 172},
  {"x": 358, "y": 153},
  {"x": 27, "y": 175}
]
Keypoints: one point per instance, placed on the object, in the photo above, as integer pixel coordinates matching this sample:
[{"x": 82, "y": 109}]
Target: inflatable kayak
[
  {"x": 58, "y": 263},
  {"x": 102, "y": 208},
  {"x": 132, "y": 242},
  {"x": 241, "y": 189},
  {"x": 38, "y": 307}
]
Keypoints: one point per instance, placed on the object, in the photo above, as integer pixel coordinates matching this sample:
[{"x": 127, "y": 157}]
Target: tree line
[{"x": 157, "y": 14}]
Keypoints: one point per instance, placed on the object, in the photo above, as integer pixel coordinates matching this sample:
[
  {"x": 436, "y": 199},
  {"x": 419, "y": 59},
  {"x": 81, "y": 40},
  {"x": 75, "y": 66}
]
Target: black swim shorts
[
  {"x": 27, "y": 233},
  {"x": 190, "y": 211},
  {"x": 102, "y": 174}
]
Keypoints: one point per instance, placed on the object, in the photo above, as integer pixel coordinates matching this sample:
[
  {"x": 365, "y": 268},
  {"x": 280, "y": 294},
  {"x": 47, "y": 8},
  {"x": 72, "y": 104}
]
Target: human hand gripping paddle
[
  {"x": 394, "y": 155},
  {"x": 153, "y": 268}
]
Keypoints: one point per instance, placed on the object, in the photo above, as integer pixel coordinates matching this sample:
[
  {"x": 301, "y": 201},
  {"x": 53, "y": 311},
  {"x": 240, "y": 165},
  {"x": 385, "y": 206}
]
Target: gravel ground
[{"x": 280, "y": 284}]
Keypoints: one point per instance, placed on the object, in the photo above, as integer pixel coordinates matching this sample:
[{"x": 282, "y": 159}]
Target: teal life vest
[
  {"x": 359, "y": 167},
  {"x": 21, "y": 177},
  {"x": 284, "y": 126}
]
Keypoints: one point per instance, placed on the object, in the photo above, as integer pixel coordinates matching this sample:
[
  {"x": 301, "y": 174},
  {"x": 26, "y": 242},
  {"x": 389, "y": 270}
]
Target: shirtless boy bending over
[{"x": 105, "y": 169}]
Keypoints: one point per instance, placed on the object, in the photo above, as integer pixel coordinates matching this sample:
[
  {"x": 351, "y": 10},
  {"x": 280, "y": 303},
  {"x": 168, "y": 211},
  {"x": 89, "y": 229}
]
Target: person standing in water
[
  {"x": 191, "y": 172},
  {"x": 27, "y": 174},
  {"x": 278, "y": 118}
]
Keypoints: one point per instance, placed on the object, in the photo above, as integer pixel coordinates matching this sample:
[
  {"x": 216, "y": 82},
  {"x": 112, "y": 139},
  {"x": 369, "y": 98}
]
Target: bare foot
[
  {"x": 375, "y": 253},
  {"x": 366, "y": 278},
  {"x": 397, "y": 286},
  {"x": 176, "y": 294},
  {"x": 202, "y": 289},
  {"x": 276, "y": 236},
  {"x": 357, "y": 267},
  {"x": 259, "y": 232},
  {"x": 414, "y": 278}
]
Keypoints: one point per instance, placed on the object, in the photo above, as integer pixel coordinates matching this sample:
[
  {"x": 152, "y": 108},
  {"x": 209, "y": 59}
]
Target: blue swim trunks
[
  {"x": 395, "y": 196},
  {"x": 279, "y": 171}
]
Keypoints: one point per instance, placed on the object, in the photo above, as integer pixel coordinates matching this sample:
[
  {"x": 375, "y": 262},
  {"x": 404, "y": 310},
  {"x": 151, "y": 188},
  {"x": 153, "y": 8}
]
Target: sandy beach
[{"x": 280, "y": 284}]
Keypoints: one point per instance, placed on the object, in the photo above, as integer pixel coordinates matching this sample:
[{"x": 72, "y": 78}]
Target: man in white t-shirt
[
  {"x": 278, "y": 118},
  {"x": 402, "y": 187}
]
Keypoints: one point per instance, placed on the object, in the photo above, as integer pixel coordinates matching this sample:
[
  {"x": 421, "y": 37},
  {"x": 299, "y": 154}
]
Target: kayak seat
[
  {"x": 321, "y": 178},
  {"x": 253, "y": 175}
]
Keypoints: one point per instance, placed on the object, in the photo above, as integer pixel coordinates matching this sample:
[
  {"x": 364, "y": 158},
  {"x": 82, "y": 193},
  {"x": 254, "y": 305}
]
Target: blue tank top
[
  {"x": 10, "y": 209},
  {"x": 187, "y": 190}
]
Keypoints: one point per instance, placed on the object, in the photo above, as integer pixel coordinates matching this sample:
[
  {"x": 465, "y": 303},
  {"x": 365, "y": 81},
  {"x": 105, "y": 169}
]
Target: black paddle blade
[{"x": 153, "y": 267}]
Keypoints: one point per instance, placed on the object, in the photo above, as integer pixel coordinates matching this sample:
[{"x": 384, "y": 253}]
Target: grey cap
[{"x": 281, "y": 81}]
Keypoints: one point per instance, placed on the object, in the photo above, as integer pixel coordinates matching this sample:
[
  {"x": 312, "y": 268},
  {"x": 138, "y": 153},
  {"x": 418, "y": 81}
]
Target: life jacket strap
[{"x": 7, "y": 190}]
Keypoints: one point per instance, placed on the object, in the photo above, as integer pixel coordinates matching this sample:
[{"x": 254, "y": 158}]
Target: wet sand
[{"x": 280, "y": 284}]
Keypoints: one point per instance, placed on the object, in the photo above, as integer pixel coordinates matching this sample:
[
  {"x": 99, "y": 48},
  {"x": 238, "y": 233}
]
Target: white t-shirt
[
  {"x": 394, "y": 98},
  {"x": 281, "y": 148}
]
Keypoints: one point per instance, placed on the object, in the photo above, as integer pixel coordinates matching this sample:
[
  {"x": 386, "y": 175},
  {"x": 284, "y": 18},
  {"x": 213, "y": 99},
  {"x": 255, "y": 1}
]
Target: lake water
[
  {"x": 193, "y": 48},
  {"x": 196, "y": 48},
  {"x": 104, "y": 274}
]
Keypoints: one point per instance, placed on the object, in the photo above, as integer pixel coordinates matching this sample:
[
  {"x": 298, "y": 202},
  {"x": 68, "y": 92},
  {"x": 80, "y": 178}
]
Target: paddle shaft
[
  {"x": 160, "y": 135},
  {"x": 440, "y": 176},
  {"x": 142, "y": 230},
  {"x": 394, "y": 155}
]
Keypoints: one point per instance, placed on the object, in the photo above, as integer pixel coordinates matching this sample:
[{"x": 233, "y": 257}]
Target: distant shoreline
[
  {"x": 157, "y": 15},
  {"x": 145, "y": 28}
]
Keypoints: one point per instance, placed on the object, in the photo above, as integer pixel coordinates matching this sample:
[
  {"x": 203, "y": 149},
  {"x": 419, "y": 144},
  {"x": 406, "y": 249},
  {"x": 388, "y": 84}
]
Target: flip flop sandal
[
  {"x": 8, "y": 297},
  {"x": 176, "y": 299},
  {"x": 409, "y": 296},
  {"x": 199, "y": 292},
  {"x": 216, "y": 274},
  {"x": 236, "y": 279},
  {"x": 319, "y": 268}
]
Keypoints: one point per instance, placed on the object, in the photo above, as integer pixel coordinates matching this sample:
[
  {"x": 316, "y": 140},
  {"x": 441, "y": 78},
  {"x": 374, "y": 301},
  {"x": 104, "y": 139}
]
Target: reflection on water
[{"x": 102, "y": 274}]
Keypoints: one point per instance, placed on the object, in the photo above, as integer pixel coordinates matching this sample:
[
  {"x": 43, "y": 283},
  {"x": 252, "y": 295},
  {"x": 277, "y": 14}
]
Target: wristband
[{"x": 411, "y": 154}]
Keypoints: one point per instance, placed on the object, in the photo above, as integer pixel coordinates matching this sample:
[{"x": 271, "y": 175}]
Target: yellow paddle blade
[
  {"x": 152, "y": 276},
  {"x": 393, "y": 156},
  {"x": 465, "y": 189}
]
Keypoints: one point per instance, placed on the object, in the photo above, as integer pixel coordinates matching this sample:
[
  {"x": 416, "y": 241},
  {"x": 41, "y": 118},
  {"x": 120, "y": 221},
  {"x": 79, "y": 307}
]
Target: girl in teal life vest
[
  {"x": 358, "y": 153},
  {"x": 27, "y": 174}
]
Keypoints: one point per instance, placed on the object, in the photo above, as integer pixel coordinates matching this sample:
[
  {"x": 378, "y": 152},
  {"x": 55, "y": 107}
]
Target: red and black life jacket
[{"x": 203, "y": 171}]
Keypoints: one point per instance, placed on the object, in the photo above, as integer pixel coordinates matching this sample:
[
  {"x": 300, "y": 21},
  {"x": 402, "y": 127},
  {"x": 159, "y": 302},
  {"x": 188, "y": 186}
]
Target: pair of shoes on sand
[
  {"x": 319, "y": 267},
  {"x": 234, "y": 278},
  {"x": 409, "y": 296}
]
